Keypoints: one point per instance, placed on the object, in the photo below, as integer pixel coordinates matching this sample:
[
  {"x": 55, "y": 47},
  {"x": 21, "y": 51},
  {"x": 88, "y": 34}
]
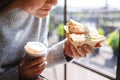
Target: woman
[{"x": 19, "y": 23}]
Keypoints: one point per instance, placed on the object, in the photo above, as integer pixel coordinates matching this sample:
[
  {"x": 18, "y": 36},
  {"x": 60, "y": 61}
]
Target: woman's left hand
[
  {"x": 30, "y": 67},
  {"x": 77, "y": 53}
]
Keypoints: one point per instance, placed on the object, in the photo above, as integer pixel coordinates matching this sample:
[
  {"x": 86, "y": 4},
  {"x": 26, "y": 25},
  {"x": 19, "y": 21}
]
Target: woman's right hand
[
  {"x": 30, "y": 68},
  {"x": 82, "y": 51}
]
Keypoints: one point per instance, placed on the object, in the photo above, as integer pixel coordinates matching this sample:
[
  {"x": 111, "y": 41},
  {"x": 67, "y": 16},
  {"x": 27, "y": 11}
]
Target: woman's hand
[
  {"x": 30, "y": 68},
  {"x": 80, "y": 52}
]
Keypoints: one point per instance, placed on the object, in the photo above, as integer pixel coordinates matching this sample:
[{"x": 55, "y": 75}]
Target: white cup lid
[{"x": 35, "y": 49}]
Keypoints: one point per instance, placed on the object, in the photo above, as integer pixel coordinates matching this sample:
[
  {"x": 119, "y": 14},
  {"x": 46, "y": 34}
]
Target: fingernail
[
  {"x": 45, "y": 62},
  {"x": 44, "y": 58}
]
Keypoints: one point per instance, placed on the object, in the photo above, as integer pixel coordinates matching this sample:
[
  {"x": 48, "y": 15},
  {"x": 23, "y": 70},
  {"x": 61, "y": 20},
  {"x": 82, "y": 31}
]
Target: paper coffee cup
[{"x": 35, "y": 49}]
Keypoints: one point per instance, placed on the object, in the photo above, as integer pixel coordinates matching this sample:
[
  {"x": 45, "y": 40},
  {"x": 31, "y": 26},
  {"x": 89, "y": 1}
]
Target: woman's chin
[{"x": 42, "y": 15}]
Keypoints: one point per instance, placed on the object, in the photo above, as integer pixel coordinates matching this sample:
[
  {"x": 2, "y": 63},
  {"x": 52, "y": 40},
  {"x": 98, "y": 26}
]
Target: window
[{"x": 105, "y": 16}]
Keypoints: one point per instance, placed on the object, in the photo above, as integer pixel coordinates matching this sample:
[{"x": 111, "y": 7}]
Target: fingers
[
  {"x": 87, "y": 48},
  {"x": 81, "y": 51},
  {"x": 71, "y": 51},
  {"x": 35, "y": 62},
  {"x": 38, "y": 69},
  {"x": 84, "y": 50},
  {"x": 31, "y": 62},
  {"x": 25, "y": 59},
  {"x": 74, "y": 52},
  {"x": 32, "y": 68}
]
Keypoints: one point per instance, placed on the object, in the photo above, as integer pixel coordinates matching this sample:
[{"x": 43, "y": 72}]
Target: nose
[{"x": 53, "y": 2}]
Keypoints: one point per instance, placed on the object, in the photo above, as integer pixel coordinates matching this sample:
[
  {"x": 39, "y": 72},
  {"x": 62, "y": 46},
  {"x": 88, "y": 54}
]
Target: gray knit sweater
[{"x": 17, "y": 27}]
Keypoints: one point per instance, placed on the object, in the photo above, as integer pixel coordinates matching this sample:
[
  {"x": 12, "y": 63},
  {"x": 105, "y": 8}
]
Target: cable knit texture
[{"x": 17, "y": 27}]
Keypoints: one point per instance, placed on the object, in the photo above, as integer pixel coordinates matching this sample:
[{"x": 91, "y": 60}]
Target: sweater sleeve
[{"x": 56, "y": 54}]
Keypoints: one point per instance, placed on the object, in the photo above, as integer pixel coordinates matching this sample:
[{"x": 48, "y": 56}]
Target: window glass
[
  {"x": 104, "y": 15},
  {"x": 56, "y": 34},
  {"x": 56, "y": 26}
]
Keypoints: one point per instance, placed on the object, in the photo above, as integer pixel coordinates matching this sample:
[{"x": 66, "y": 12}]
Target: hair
[{"x": 6, "y": 4}]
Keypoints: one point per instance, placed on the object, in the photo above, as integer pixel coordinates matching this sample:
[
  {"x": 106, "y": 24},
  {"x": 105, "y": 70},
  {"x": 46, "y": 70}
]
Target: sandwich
[{"x": 79, "y": 34}]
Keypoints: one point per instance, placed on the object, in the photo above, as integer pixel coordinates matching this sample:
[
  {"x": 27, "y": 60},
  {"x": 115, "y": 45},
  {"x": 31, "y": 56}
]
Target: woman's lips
[{"x": 46, "y": 9}]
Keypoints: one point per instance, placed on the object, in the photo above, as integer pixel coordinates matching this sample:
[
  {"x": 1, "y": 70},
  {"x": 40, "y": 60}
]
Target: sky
[{"x": 91, "y": 3}]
